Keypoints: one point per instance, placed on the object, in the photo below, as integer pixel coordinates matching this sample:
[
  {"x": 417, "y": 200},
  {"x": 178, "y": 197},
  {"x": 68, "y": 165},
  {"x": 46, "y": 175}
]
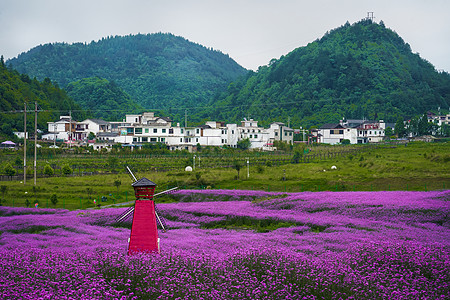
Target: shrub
[
  {"x": 54, "y": 199},
  {"x": 259, "y": 169},
  {"x": 48, "y": 170},
  {"x": 9, "y": 170},
  {"x": 67, "y": 170},
  {"x": 297, "y": 157}
]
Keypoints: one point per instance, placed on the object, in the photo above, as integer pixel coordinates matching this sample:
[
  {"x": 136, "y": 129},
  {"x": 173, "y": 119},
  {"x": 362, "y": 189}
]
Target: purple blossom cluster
[{"x": 347, "y": 245}]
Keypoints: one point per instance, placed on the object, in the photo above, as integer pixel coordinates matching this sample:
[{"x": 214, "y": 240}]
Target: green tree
[
  {"x": 117, "y": 183},
  {"x": 67, "y": 170},
  {"x": 423, "y": 126},
  {"x": 91, "y": 136},
  {"x": 298, "y": 155},
  {"x": 237, "y": 165},
  {"x": 54, "y": 199},
  {"x": 9, "y": 170},
  {"x": 399, "y": 128},
  {"x": 244, "y": 144},
  {"x": 48, "y": 170},
  {"x": 3, "y": 189},
  {"x": 388, "y": 132}
]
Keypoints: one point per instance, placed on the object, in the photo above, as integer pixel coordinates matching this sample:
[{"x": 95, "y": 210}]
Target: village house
[
  {"x": 356, "y": 131},
  {"x": 138, "y": 129},
  {"x": 438, "y": 119}
]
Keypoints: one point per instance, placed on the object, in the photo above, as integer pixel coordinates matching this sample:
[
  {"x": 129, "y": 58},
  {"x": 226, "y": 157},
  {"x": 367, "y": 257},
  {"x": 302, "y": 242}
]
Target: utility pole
[
  {"x": 35, "y": 139},
  {"x": 25, "y": 145},
  {"x": 248, "y": 167},
  {"x": 289, "y": 122},
  {"x": 70, "y": 129}
]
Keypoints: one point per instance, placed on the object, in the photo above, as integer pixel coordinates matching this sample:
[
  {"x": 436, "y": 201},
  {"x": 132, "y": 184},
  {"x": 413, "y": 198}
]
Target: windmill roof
[{"x": 144, "y": 182}]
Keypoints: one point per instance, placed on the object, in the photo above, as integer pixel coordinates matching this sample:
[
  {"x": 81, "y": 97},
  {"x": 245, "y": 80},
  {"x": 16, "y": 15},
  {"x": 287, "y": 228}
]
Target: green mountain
[
  {"x": 156, "y": 70},
  {"x": 102, "y": 99},
  {"x": 359, "y": 71},
  {"x": 16, "y": 88}
]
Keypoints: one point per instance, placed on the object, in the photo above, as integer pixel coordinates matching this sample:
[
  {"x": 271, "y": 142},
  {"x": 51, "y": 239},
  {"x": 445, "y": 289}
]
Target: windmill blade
[
  {"x": 131, "y": 174},
  {"x": 160, "y": 220},
  {"x": 166, "y": 192},
  {"x": 125, "y": 215}
]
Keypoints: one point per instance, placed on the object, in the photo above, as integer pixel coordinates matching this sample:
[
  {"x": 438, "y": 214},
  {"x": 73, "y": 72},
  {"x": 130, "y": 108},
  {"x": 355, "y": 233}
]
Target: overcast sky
[{"x": 252, "y": 32}]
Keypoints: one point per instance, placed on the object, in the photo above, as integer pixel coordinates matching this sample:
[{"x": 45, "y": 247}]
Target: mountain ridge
[
  {"x": 157, "y": 70},
  {"x": 363, "y": 70}
]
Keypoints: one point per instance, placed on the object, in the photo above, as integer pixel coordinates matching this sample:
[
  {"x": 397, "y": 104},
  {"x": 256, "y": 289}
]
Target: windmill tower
[{"x": 144, "y": 232}]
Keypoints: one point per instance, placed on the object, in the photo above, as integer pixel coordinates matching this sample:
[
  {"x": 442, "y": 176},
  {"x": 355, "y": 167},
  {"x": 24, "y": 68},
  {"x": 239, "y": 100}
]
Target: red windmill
[{"x": 144, "y": 233}]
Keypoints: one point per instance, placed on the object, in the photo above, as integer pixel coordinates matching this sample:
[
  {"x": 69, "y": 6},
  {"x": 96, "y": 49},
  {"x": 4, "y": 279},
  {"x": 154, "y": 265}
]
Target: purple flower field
[{"x": 228, "y": 244}]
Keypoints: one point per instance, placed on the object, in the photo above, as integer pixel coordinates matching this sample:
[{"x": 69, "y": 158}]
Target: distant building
[
  {"x": 138, "y": 129},
  {"x": 356, "y": 131}
]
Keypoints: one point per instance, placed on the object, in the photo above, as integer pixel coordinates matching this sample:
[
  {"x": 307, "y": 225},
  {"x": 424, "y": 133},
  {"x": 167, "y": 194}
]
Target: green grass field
[{"x": 418, "y": 166}]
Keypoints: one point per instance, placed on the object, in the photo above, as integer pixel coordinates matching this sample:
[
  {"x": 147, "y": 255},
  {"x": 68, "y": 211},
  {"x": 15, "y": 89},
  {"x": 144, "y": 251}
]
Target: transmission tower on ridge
[{"x": 370, "y": 16}]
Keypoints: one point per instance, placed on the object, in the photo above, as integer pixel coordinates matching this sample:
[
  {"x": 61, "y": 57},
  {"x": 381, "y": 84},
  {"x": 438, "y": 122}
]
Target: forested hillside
[
  {"x": 362, "y": 70},
  {"x": 15, "y": 89},
  {"x": 156, "y": 70},
  {"x": 102, "y": 99}
]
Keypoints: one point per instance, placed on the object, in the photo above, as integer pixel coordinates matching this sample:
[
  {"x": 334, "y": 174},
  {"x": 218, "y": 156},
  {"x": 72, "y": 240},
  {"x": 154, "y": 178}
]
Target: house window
[
  {"x": 146, "y": 130},
  {"x": 155, "y": 130},
  {"x": 130, "y": 130},
  {"x": 290, "y": 133},
  {"x": 182, "y": 130},
  {"x": 181, "y": 140},
  {"x": 285, "y": 133},
  {"x": 144, "y": 139},
  {"x": 256, "y": 136},
  {"x": 153, "y": 139},
  {"x": 135, "y": 139},
  {"x": 276, "y": 133},
  {"x": 223, "y": 141},
  {"x": 163, "y": 140},
  {"x": 171, "y": 130},
  {"x": 250, "y": 136},
  {"x": 196, "y": 140},
  {"x": 163, "y": 130},
  {"x": 341, "y": 131},
  {"x": 198, "y": 131},
  {"x": 232, "y": 131},
  {"x": 138, "y": 131}
]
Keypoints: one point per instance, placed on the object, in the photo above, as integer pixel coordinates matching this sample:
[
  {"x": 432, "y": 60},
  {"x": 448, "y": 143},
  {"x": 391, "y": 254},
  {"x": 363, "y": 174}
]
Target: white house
[
  {"x": 95, "y": 126},
  {"x": 356, "y": 131},
  {"x": 279, "y": 132},
  {"x": 59, "y": 130}
]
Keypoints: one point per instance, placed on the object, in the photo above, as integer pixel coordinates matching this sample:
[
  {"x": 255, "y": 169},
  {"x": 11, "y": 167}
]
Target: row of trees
[
  {"x": 9, "y": 170},
  {"x": 419, "y": 125}
]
